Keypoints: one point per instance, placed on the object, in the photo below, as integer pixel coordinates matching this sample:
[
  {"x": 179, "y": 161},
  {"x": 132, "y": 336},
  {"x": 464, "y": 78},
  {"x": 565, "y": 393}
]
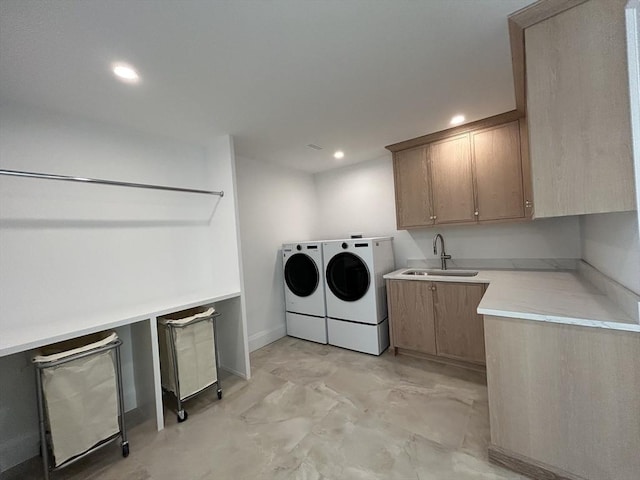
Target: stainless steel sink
[
  {"x": 442, "y": 273},
  {"x": 416, "y": 272}
]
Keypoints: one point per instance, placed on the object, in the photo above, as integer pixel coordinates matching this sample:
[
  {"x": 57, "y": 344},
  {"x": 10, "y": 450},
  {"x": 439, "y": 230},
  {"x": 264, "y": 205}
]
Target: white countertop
[
  {"x": 28, "y": 337},
  {"x": 557, "y": 297}
]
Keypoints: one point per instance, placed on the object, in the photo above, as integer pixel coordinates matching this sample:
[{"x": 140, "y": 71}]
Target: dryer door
[
  {"x": 301, "y": 275},
  {"x": 348, "y": 277}
]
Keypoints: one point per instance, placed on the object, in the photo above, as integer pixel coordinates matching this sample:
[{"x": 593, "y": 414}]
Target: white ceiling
[{"x": 277, "y": 75}]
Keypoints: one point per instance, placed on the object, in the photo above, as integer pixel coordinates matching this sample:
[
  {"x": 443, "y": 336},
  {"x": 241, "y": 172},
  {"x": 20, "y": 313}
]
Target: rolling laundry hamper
[
  {"x": 80, "y": 401},
  {"x": 188, "y": 354}
]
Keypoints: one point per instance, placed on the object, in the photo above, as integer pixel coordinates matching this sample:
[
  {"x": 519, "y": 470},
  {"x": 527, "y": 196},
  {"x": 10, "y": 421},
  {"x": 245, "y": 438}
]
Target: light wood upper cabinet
[
  {"x": 577, "y": 101},
  {"x": 411, "y": 311},
  {"x": 452, "y": 180},
  {"x": 411, "y": 177},
  {"x": 437, "y": 318},
  {"x": 459, "y": 328},
  {"x": 498, "y": 172},
  {"x": 474, "y": 173}
]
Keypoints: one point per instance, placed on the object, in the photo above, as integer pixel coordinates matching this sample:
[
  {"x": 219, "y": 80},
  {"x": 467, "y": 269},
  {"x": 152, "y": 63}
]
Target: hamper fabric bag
[
  {"x": 195, "y": 351},
  {"x": 81, "y": 396}
]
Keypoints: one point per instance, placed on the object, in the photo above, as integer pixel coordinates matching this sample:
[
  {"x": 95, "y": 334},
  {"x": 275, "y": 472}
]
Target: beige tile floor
[{"x": 316, "y": 412}]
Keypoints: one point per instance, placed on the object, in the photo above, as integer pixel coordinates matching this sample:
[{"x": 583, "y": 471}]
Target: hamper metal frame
[
  {"x": 44, "y": 451},
  {"x": 181, "y": 412}
]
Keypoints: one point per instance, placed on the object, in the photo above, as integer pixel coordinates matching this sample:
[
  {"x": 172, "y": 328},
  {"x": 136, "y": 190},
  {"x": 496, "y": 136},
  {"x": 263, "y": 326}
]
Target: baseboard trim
[
  {"x": 265, "y": 337},
  {"x": 527, "y": 466},
  {"x": 233, "y": 372}
]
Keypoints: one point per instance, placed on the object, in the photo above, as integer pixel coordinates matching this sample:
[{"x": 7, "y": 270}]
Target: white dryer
[
  {"x": 304, "y": 291},
  {"x": 356, "y": 294}
]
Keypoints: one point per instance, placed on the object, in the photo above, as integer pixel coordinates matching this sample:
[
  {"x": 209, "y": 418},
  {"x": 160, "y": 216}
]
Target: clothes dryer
[
  {"x": 356, "y": 294},
  {"x": 304, "y": 291}
]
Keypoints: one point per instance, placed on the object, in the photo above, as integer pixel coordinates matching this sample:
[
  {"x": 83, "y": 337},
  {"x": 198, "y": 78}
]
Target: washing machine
[
  {"x": 304, "y": 291},
  {"x": 356, "y": 294}
]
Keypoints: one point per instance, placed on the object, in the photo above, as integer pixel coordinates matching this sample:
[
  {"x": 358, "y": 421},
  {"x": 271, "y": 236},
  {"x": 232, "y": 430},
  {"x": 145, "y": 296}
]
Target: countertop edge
[
  {"x": 32, "y": 342},
  {"x": 577, "y": 320}
]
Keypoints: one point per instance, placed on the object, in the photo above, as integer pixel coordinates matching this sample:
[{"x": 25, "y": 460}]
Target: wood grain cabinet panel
[
  {"x": 498, "y": 172},
  {"x": 459, "y": 328},
  {"x": 578, "y": 111},
  {"x": 565, "y": 396},
  {"x": 479, "y": 174},
  {"x": 452, "y": 180},
  {"x": 411, "y": 315},
  {"x": 438, "y": 319},
  {"x": 413, "y": 197}
]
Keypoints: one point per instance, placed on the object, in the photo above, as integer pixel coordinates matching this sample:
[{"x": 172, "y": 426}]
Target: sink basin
[{"x": 442, "y": 273}]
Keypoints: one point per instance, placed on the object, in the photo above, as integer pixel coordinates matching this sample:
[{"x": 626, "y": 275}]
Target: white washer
[
  {"x": 356, "y": 293},
  {"x": 304, "y": 291}
]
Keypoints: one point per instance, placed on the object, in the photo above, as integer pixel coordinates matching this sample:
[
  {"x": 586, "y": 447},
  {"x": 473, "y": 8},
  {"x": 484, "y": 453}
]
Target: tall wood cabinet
[
  {"x": 437, "y": 318},
  {"x": 573, "y": 56},
  {"x": 469, "y": 175}
]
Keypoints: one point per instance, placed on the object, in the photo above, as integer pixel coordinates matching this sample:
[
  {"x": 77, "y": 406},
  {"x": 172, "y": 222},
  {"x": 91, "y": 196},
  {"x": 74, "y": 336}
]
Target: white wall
[
  {"x": 276, "y": 205},
  {"x": 360, "y": 198},
  {"x": 69, "y": 251},
  {"x": 610, "y": 243}
]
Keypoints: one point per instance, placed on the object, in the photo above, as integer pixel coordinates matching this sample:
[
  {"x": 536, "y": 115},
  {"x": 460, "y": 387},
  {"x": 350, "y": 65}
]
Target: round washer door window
[
  {"x": 348, "y": 277},
  {"x": 301, "y": 275}
]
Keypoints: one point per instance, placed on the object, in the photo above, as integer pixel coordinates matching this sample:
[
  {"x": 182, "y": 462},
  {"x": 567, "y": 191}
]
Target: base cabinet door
[
  {"x": 459, "y": 328},
  {"x": 411, "y": 315}
]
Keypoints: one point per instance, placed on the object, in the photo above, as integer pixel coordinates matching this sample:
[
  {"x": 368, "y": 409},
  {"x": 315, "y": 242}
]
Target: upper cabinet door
[
  {"x": 413, "y": 199},
  {"x": 498, "y": 169},
  {"x": 452, "y": 180},
  {"x": 578, "y": 111}
]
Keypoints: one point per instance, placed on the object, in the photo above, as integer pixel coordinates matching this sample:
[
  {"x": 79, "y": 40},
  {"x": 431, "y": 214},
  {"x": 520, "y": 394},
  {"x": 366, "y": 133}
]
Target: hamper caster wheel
[
  {"x": 125, "y": 450},
  {"x": 219, "y": 394},
  {"x": 182, "y": 416}
]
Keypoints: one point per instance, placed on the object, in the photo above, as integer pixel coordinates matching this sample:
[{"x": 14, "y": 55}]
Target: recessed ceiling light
[
  {"x": 339, "y": 154},
  {"x": 457, "y": 120},
  {"x": 125, "y": 72}
]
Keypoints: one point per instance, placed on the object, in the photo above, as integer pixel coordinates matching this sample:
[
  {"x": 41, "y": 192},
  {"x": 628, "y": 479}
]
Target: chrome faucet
[{"x": 443, "y": 256}]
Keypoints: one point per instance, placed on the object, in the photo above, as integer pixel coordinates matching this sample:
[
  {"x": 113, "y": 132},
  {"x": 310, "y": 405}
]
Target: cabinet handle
[
  {"x": 528, "y": 204},
  {"x": 476, "y": 213},
  {"x": 433, "y": 288},
  {"x": 434, "y": 217}
]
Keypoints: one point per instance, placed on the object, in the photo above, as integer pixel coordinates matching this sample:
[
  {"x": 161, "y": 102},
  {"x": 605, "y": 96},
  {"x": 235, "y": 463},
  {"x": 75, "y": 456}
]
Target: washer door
[
  {"x": 348, "y": 277},
  {"x": 301, "y": 275}
]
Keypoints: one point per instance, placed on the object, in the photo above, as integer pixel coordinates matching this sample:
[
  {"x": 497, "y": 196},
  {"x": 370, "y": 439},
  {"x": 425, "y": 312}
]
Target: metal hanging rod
[{"x": 48, "y": 176}]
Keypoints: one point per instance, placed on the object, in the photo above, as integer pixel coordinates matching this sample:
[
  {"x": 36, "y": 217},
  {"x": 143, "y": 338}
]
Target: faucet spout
[{"x": 443, "y": 256}]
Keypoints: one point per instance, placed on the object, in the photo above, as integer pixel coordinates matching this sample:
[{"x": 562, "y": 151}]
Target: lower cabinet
[
  {"x": 411, "y": 315},
  {"x": 437, "y": 318},
  {"x": 459, "y": 328}
]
